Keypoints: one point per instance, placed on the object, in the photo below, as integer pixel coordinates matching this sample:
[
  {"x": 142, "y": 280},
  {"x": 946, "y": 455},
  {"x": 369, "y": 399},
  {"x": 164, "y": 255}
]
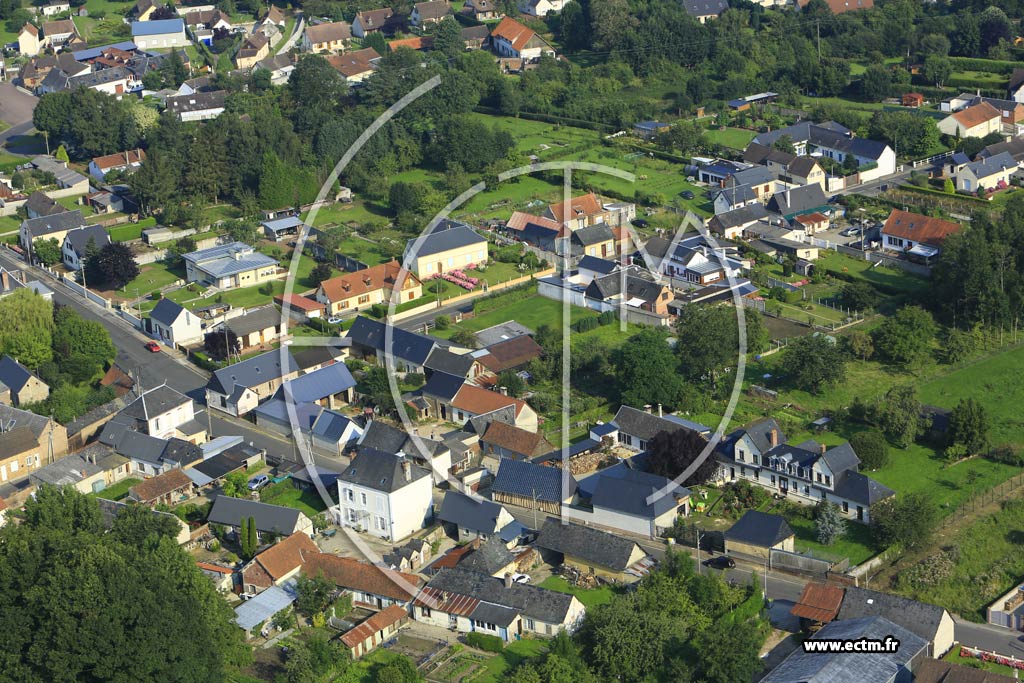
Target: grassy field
[
  {"x": 118, "y": 490},
  {"x": 286, "y": 493},
  {"x": 890, "y": 278},
  {"x": 734, "y": 138},
  {"x": 152, "y": 277},
  {"x": 532, "y": 312},
  {"x": 497, "y": 668},
  {"x": 855, "y": 544},
  {"x": 8, "y": 162},
  {"x": 954, "y": 656},
  {"x": 589, "y": 597},
  {"x": 977, "y": 79}
]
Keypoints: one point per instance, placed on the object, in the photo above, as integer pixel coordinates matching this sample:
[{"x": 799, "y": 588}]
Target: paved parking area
[{"x": 15, "y": 106}]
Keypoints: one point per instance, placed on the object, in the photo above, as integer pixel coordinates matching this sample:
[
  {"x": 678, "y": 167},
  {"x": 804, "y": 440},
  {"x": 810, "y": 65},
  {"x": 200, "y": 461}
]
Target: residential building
[
  {"x": 174, "y": 324},
  {"x": 30, "y": 42},
  {"x": 270, "y": 519},
  {"x": 798, "y": 201},
  {"x": 238, "y": 388},
  {"x": 330, "y": 387},
  {"x": 429, "y": 13},
  {"x": 634, "y": 428},
  {"x": 278, "y": 563},
  {"x": 385, "y": 495},
  {"x": 836, "y": 142},
  {"x": 528, "y": 485},
  {"x": 353, "y": 292},
  {"x": 149, "y": 455},
  {"x": 160, "y": 33},
  {"x": 451, "y": 246},
  {"x": 229, "y": 266},
  {"x": 376, "y": 630},
  {"x": 371, "y": 21},
  {"x": 818, "y": 605},
  {"x": 943, "y": 671},
  {"x": 475, "y": 37},
  {"x": 976, "y": 121},
  {"x": 128, "y": 161},
  {"x": 594, "y": 240},
  {"x": 731, "y": 224},
  {"x": 29, "y": 442},
  {"x": 1014, "y": 147},
  {"x": 163, "y": 412},
  {"x": 703, "y": 10},
  {"x": 428, "y": 453},
  {"x": 334, "y": 432},
  {"x": 197, "y": 106},
  {"x": 90, "y": 470},
  {"x": 371, "y": 587},
  {"x": 693, "y": 260},
  {"x": 170, "y": 488},
  {"x": 408, "y": 349},
  {"x": 541, "y": 8},
  {"x": 259, "y": 327},
  {"x": 634, "y": 501},
  {"x": 468, "y": 601},
  {"x": 67, "y": 179},
  {"x": 77, "y": 244},
  {"x": 916, "y": 235},
  {"x": 929, "y": 622},
  {"x": 54, "y": 226},
  {"x": 254, "y": 47},
  {"x": 481, "y": 10},
  {"x": 634, "y": 288},
  {"x": 806, "y": 473},
  {"x": 332, "y": 37},
  {"x": 57, "y": 33},
  {"x": 279, "y": 66},
  {"x": 989, "y": 173},
  {"x": 355, "y": 66},
  {"x": 513, "y": 40},
  {"x": 23, "y": 387},
  {"x": 757, "y": 533},
  {"x": 592, "y": 551},
  {"x": 578, "y": 212},
  {"x": 896, "y": 666},
  {"x": 470, "y": 401},
  {"x": 467, "y": 517},
  {"x": 212, "y": 19},
  {"x": 508, "y": 441}
]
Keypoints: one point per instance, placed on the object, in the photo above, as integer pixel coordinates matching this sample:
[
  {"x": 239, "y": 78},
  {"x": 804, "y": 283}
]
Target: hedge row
[
  {"x": 992, "y": 66},
  {"x": 549, "y": 118},
  {"x": 485, "y": 642},
  {"x": 941, "y": 193}
]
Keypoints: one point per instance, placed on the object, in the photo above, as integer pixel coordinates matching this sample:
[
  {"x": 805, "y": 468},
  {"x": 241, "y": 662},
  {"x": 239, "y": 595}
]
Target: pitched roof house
[
  {"x": 278, "y": 563},
  {"x": 270, "y": 519},
  {"x": 369, "y": 340},
  {"x": 525, "y": 484},
  {"x": 355, "y": 66},
  {"x": 371, "y": 21},
  {"x": 352, "y": 292},
  {"x": 238, "y": 388},
  {"x": 472, "y": 517},
  {"x": 427, "y": 13},
  {"x": 23, "y": 386},
  {"x": 174, "y": 324},
  {"x": 591, "y": 550},
  {"x": 511, "y": 39},
  {"x": 370, "y": 585},
  {"x": 757, "y": 533},
  {"x": 384, "y": 494},
  {"x": 168, "y": 488},
  {"x": 703, "y": 10},
  {"x": 906, "y": 231},
  {"x": 930, "y": 622},
  {"x": 976, "y": 121},
  {"x": 326, "y": 37}
]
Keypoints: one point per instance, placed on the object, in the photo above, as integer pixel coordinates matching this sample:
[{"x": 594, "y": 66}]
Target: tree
[
  {"x": 321, "y": 272},
  {"x": 876, "y": 83},
  {"x": 708, "y": 343},
  {"x": 813, "y": 362},
  {"x": 858, "y": 296},
  {"x": 313, "y": 594},
  {"x": 377, "y": 42},
  {"x": 82, "y": 348},
  {"x": 872, "y": 449},
  {"x": 114, "y": 266},
  {"x": 46, "y": 251},
  {"x": 899, "y": 415},
  {"x": 860, "y": 345},
  {"x": 908, "y": 520},
  {"x": 246, "y": 547},
  {"x": 670, "y": 453},
  {"x": 784, "y": 143},
  {"x": 937, "y": 69},
  {"x": 829, "y": 524},
  {"x": 646, "y": 370},
  {"x": 448, "y": 38},
  {"x": 969, "y": 425},
  {"x": 67, "y": 604},
  {"x": 905, "y": 338},
  {"x": 957, "y": 346},
  {"x": 512, "y": 382},
  {"x": 220, "y": 343},
  {"x": 730, "y": 652},
  {"x": 948, "y": 186},
  {"x": 61, "y": 154},
  {"x": 26, "y": 328}
]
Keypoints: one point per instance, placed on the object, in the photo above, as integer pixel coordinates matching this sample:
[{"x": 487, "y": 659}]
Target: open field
[
  {"x": 854, "y": 544},
  {"x": 286, "y": 493},
  {"x": 734, "y": 138},
  {"x": 589, "y": 597},
  {"x": 893, "y": 279},
  {"x": 497, "y": 668},
  {"x": 153, "y": 277},
  {"x": 532, "y": 312}
]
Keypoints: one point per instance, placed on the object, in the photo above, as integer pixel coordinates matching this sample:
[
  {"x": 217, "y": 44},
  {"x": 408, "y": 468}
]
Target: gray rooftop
[
  {"x": 255, "y": 320},
  {"x": 166, "y": 312},
  {"x": 79, "y": 239},
  {"x": 759, "y": 529},
  {"x": 533, "y": 602},
  {"x": 501, "y": 332},
  {"x": 586, "y": 543},
  {"x": 269, "y": 518},
  {"x": 646, "y": 426},
  {"x": 229, "y": 259},
  {"x": 48, "y": 225},
  {"x": 489, "y": 558},
  {"x": 628, "y": 491},
  {"x": 253, "y": 371},
  {"x": 14, "y": 374},
  {"x": 920, "y": 618},
  {"x": 527, "y": 480},
  {"x": 381, "y": 471},
  {"x": 319, "y": 384},
  {"x": 469, "y": 512},
  {"x": 459, "y": 235}
]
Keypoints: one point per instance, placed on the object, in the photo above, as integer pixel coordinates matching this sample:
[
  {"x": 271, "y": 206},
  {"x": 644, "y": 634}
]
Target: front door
[
  {"x": 440, "y": 267},
  {"x": 860, "y": 514},
  {"x": 783, "y": 484}
]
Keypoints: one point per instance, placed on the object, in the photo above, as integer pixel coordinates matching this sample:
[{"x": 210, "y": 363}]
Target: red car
[{"x": 152, "y": 347}]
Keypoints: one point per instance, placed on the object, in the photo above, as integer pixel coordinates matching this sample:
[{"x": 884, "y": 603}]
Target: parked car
[
  {"x": 849, "y": 232},
  {"x": 521, "y": 578},
  {"x": 639, "y": 222},
  {"x": 686, "y": 194},
  {"x": 334, "y": 321},
  {"x": 258, "y": 482},
  {"x": 721, "y": 562},
  {"x": 152, "y": 347}
]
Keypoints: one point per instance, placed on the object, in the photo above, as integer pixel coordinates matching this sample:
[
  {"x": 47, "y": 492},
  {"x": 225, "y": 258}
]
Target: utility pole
[
  {"x": 699, "y": 536},
  {"x": 817, "y": 27},
  {"x": 533, "y": 491}
]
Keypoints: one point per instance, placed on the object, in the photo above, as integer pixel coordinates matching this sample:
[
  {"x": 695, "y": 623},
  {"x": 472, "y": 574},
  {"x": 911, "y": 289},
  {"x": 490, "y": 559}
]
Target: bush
[
  {"x": 485, "y": 642},
  {"x": 585, "y": 325},
  {"x": 442, "y": 322},
  {"x": 1007, "y": 455},
  {"x": 872, "y": 449},
  {"x": 607, "y": 318},
  {"x": 267, "y": 289}
]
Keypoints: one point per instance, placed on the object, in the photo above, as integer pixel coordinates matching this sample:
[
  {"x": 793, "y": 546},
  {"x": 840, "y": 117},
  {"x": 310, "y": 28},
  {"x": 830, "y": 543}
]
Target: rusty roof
[
  {"x": 288, "y": 555},
  {"x": 160, "y": 485},
  {"x": 819, "y": 602},
  {"x": 976, "y": 115},
  {"x": 376, "y": 623},
  {"x": 362, "y": 576}
]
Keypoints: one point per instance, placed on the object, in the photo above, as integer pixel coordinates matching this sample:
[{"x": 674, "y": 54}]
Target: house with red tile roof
[
  {"x": 278, "y": 563},
  {"x": 378, "y": 629},
  {"x": 914, "y": 234},
  {"x": 370, "y": 586},
  {"x": 353, "y": 292},
  {"x": 511, "y": 39}
]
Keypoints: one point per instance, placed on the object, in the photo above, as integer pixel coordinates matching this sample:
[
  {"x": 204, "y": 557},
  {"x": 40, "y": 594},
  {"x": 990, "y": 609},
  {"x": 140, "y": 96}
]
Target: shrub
[
  {"x": 872, "y": 449},
  {"x": 1006, "y": 454},
  {"x": 442, "y": 322},
  {"x": 607, "y": 318},
  {"x": 485, "y": 642},
  {"x": 266, "y": 289}
]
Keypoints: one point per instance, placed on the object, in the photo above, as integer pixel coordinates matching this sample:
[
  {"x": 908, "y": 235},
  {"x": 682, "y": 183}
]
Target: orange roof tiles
[
  {"x": 479, "y": 401},
  {"x": 160, "y": 485},
  {"x": 349, "y": 285},
  {"x": 376, "y": 623},
  {"x": 362, "y": 576},
  {"x": 976, "y": 115},
  {"x": 288, "y": 555},
  {"x": 585, "y": 205},
  {"x": 514, "y": 32},
  {"x": 914, "y": 226}
]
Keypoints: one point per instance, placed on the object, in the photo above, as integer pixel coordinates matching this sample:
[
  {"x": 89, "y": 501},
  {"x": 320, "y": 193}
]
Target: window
[
  {"x": 530, "y": 625},
  {"x": 425, "y": 611},
  {"x": 451, "y": 261},
  {"x": 819, "y": 477},
  {"x": 846, "y": 506},
  {"x": 740, "y": 455},
  {"x": 382, "y": 524},
  {"x": 828, "y": 480},
  {"x": 380, "y": 503},
  {"x": 364, "y": 298},
  {"x": 14, "y": 466},
  {"x": 362, "y": 498},
  {"x": 348, "y": 495},
  {"x": 773, "y": 480},
  {"x": 430, "y": 267},
  {"x": 344, "y": 305},
  {"x": 756, "y": 459}
]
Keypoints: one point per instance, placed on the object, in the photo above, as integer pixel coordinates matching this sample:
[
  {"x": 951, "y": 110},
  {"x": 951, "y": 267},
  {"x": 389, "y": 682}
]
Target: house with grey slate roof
[
  {"x": 77, "y": 244},
  {"x": 385, "y": 495},
  {"x": 22, "y": 385},
  {"x": 450, "y": 246},
  {"x": 930, "y": 622},
  {"x": 525, "y": 484},
  {"x": 149, "y": 455},
  {"x": 635, "y": 428},
  {"x": 54, "y": 226},
  {"x": 854, "y": 667},
  {"x": 757, "y": 533},
  {"x": 238, "y": 388},
  {"x": 369, "y": 339},
  {"x": 173, "y": 324},
  {"x": 229, "y": 266},
  {"x": 591, "y": 550},
  {"x": 468, "y": 517},
  {"x": 806, "y": 473},
  {"x": 270, "y": 519}
]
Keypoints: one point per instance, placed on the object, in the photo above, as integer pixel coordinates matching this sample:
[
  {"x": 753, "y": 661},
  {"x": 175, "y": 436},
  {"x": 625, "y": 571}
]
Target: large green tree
[
  {"x": 969, "y": 425},
  {"x": 26, "y": 328},
  {"x": 813, "y": 362},
  {"x": 85, "y": 605},
  {"x": 908, "y": 520},
  {"x": 906, "y": 337},
  {"x": 647, "y": 372}
]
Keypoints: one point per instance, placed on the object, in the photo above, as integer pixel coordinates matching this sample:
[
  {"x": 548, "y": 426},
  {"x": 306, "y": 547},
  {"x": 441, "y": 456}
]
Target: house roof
[
  {"x": 166, "y": 312},
  {"x": 629, "y": 491},
  {"x": 914, "y": 226},
  {"x": 976, "y": 114},
  {"x": 72, "y": 469},
  {"x": 743, "y": 215},
  {"x": 591, "y": 545},
  {"x": 475, "y": 33},
  {"x": 59, "y": 27},
  {"x": 375, "y": 18},
  {"x": 918, "y": 617},
  {"x": 527, "y": 480},
  {"x": 639, "y": 285},
  {"x": 459, "y": 589},
  {"x": 490, "y": 557},
  {"x": 38, "y": 203},
  {"x": 318, "y": 385},
  {"x": 514, "y": 439},
  {"x": 414, "y": 43},
  {"x": 381, "y": 436},
  {"x": 37, "y": 423},
  {"x": 941, "y": 671},
  {"x": 470, "y": 512},
  {"x": 443, "y": 360},
  {"x": 253, "y": 371},
  {"x": 362, "y": 576},
  {"x": 153, "y": 403},
  {"x": 255, "y": 320},
  {"x": 260, "y": 608},
  {"x": 17, "y": 441},
  {"x": 158, "y": 27},
  {"x": 160, "y": 485},
  {"x": 501, "y": 332},
  {"x": 760, "y": 433},
  {"x": 58, "y": 222},
  {"x": 198, "y": 101},
  {"x": 231, "y": 512},
  {"x": 983, "y": 167},
  {"x": 229, "y": 259},
  {"x": 515, "y": 33},
  {"x": 407, "y": 346},
  {"x": 220, "y": 465},
  {"x": 329, "y": 33},
  {"x": 380, "y": 471},
  {"x": 646, "y": 426},
  {"x": 29, "y": 28},
  {"x": 584, "y": 205},
  {"x": 120, "y": 160},
  {"x": 519, "y": 220},
  {"x": 376, "y": 623},
  {"x": 511, "y": 353},
  {"x": 847, "y": 667},
  {"x": 593, "y": 234},
  {"x": 801, "y": 166},
  {"x": 819, "y": 602},
  {"x": 1014, "y": 146},
  {"x": 78, "y": 240},
  {"x": 14, "y": 374},
  {"x": 299, "y": 302},
  {"x": 597, "y": 265},
  {"x": 759, "y": 529},
  {"x": 286, "y": 556},
  {"x": 384, "y": 276},
  {"x": 440, "y": 241},
  {"x": 331, "y": 426},
  {"x": 803, "y": 199},
  {"x": 354, "y": 63},
  {"x": 436, "y": 9},
  {"x": 476, "y": 400}
]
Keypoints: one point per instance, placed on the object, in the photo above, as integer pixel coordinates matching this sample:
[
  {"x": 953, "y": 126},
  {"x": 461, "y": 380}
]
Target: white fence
[{"x": 82, "y": 291}]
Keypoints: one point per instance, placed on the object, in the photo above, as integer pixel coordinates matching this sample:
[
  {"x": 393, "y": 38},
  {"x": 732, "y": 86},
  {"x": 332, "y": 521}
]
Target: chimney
[
  {"x": 773, "y": 437},
  {"x": 407, "y": 469},
  {"x": 508, "y": 579},
  {"x": 503, "y": 390},
  {"x": 647, "y": 408},
  {"x": 823, "y": 448},
  {"x": 659, "y": 411}
]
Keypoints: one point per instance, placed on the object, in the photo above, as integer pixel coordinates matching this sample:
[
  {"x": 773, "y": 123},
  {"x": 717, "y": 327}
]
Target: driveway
[{"x": 15, "y": 106}]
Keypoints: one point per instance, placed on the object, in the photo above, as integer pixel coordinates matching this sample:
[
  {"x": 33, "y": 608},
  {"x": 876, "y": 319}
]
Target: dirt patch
[{"x": 780, "y": 328}]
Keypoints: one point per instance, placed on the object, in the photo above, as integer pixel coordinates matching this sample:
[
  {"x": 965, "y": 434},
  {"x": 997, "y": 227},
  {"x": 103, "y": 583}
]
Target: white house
[
  {"x": 385, "y": 495},
  {"x": 541, "y": 8},
  {"x": 54, "y": 8},
  {"x": 511, "y": 39},
  {"x": 991, "y": 173},
  {"x": 159, "y": 33},
  {"x": 431, "y": 12},
  {"x": 77, "y": 243},
  {"x": 975, "y": 121},
  {"x": 174, "y": 324},
  {"x": 129, "y": 160},
  {"x": 160, "y": 412},
  {"x": 916, "y": 235},
  {"x": 834, "y": 141}
]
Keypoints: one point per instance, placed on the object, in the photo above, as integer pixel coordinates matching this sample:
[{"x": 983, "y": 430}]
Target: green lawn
[
  {"x": 130, "y": 231},
  {"x": 735, "y": 138},
  {"x": 891, "y": 278},
  {"x": 8, "y": 162},
  {"x": 152, "y": 277},
  {"x": 497, "y": 668},
  {"x": 954, "y": 656},
  {"x": 118, "y": 490},
  {"x": 855, "y": 544},
  {"x": 286, "y": 493},
  {"x": 589, "y": 597},
  {"x": 532, "y": 312},
  {"x": 977, "y": 79}
]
